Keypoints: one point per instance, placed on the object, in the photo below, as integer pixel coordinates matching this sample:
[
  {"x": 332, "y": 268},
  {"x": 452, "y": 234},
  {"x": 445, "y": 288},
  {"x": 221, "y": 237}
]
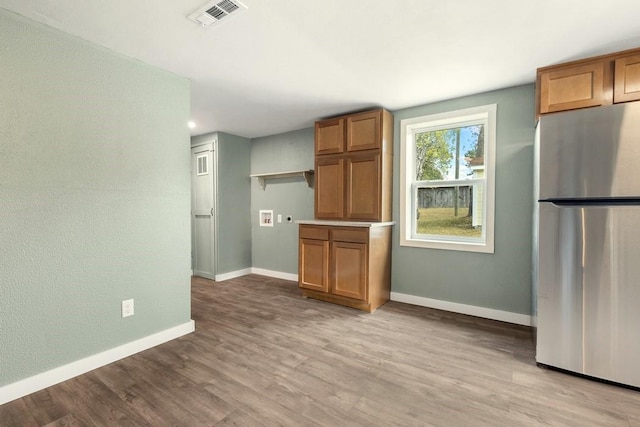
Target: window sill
[{"x": 448, "y": 245}]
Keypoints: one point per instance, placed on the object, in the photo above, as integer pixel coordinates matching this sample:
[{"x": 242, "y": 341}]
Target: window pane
[
  {"x": 448, "y": 154},
  {"x": 455, "y": 211}
]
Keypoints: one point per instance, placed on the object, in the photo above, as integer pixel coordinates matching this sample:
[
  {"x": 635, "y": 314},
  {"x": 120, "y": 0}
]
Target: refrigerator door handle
[{"x": 594, "y": 202}]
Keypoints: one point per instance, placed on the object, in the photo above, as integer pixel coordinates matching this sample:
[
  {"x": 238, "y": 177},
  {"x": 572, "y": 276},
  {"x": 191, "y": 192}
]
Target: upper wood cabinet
[
  {"x": 363, "y": 183},
  {"x": 329, "y": 188},
  {"x": 574, "y": 87},
  {"x": 330, "y": 136},
  {"x": 627, "y": 79},
  {"x": 353, "y": 167},
  {"x": 363, "y": 131},
  {"x": 590, "y": 82}
]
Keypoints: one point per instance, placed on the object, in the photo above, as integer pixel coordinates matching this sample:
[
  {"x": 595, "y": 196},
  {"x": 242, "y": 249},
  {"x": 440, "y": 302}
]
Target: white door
[{"x": 202, "y": 214}]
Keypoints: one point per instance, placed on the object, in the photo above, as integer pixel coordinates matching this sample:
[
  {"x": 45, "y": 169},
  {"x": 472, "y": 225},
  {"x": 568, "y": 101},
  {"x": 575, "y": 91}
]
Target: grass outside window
[{"x": 443, "y": 222}]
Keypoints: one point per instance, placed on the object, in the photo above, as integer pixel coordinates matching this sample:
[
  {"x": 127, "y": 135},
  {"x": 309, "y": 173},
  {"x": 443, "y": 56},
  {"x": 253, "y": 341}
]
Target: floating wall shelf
[{"x": 263, "y": 177}]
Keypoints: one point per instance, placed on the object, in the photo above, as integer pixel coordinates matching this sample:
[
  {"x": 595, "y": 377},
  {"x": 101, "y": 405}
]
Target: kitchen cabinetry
[
  {"x": 572, "y": 87},
  {"x": 313, "y": 259},
  {"x": 627, "y": 79},
  {"x": 343, "y": 259},
  {"x": 329, "y": 138},
  {"x": 353, "y": 167},
  {"x": 590, "y": 82},
  {"x": 363, "y": 186},
  {"x": 348, "y": 265},
  {"x": 329, "y": 188}
]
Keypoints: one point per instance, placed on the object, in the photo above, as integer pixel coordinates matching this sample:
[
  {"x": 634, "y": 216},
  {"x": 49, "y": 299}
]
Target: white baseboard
[
  {"x": 232, "y": 275},
  {"x": 254, "y": 270},
  {"x": 472, "y": 310},
  {"x": 54, "y": 376},
  {"x": 275, "y": 274}
]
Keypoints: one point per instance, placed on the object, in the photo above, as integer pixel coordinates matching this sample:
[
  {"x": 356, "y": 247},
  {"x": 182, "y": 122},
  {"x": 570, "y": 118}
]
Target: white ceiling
[{"x": 282, "y": 64}]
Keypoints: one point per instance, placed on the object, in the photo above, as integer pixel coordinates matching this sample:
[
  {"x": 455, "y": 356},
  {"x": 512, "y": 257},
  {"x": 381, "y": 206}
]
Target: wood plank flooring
[{"x": 264, "y": 356}]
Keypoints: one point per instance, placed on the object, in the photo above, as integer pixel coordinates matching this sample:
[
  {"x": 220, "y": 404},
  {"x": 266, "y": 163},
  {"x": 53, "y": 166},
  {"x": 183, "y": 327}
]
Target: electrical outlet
[{"x": 127, "y": 308}]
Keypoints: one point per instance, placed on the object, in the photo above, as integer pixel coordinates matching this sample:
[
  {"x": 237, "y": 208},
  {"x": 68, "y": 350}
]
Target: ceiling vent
[{"x": 216, "y": 11}]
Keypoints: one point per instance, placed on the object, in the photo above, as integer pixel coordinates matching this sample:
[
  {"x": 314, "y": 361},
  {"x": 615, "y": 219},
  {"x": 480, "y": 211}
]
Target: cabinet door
[
  {"x": 313, "y": 264},
  {"x": 330, "y": 136},
  {"x": 363, "y": 131},
  {"x": 329, "y": 188},
  {"x": 349, "y": 263},
  {"x": 627, "y": 79},
  {"x": 363, "y": 186},
  {"x": 574, "y": 87}
]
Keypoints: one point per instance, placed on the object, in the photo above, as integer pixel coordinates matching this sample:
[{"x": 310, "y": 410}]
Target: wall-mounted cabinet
[
  {"x": 353, "y": 165},
  {"x": 627, "y": 79},
  {"x": 329, "y": 188},
  {"x": 329, "y": 138},
  {"x": 574, "y": 87},
  {"x": 364, "y": 130},
  {"x": 590, "y": 82}
]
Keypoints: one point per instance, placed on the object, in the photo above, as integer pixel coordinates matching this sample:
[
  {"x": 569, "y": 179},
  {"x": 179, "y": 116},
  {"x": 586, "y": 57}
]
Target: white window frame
[{"x": 408, "y": 184}]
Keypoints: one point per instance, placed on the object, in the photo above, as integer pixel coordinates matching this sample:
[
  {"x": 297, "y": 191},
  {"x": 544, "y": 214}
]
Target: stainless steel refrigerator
[{"x": 587, "y": 250}]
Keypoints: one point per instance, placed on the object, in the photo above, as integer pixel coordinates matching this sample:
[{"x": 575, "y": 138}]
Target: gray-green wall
[
  {"x": 234, "y": 203},
  {"x": 276, "y": 248},
  {"x": 94, "y": 199},
  {"x": 502, "y": 280}
]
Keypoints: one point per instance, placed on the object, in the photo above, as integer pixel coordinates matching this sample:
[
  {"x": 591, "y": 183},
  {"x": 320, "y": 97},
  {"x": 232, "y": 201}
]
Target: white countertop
[{"x": 345, "y": 223}]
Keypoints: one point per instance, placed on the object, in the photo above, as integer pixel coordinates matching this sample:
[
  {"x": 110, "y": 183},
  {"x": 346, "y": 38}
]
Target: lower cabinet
[
  {"x": 349, "y": 261},
  {"x": 346, "y": 265}
]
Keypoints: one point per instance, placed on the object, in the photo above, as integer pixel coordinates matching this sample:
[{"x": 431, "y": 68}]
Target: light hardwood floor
[{"x": 262, "y": 355}]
